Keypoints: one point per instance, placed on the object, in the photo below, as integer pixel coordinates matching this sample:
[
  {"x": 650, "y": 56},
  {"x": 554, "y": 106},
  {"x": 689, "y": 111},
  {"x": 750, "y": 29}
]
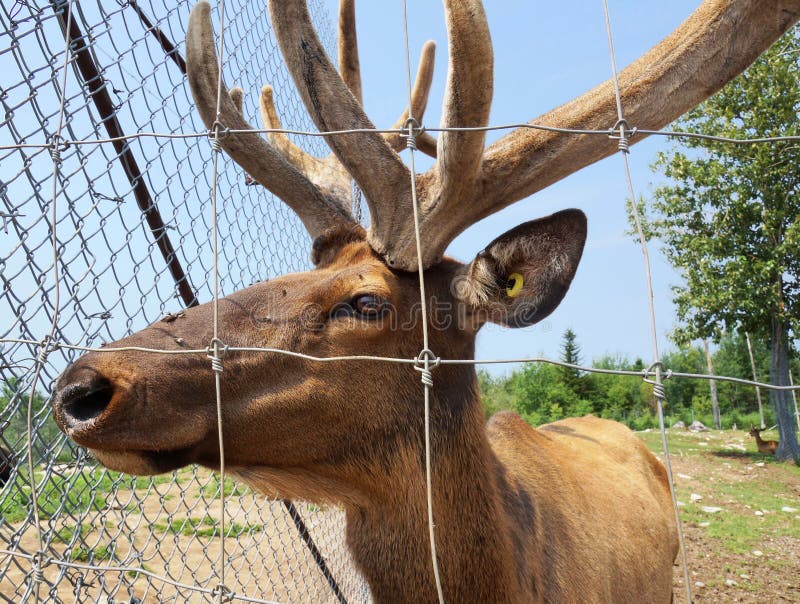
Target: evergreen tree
[{"x": 571, "y": 353}]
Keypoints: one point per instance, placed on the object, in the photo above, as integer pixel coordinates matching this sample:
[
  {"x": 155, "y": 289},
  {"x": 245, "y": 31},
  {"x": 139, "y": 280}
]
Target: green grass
[
  {"x": 66, "y": 534},
  {"x": 736, "y": 528},
  {"x": 231, "y": 488},
  {"x": 83, "y": 491},
  {"x": 135, "y": 574},
  {"x": 94, "y": 554},
  {"x": 206, "y": 527}
]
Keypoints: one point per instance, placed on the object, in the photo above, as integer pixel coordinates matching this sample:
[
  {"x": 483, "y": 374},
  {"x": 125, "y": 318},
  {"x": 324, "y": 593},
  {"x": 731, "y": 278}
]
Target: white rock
[
  {"x": 704, "y": 524},
  {"x": 744, "y": 576},
  {"x": 760, "y": 464},
  {"x": 699, "y": 584},
  {"x": 758, "y": 513},
  {"x": 731, "y": 583},
  {"x": 685, "y": 476},
  {"x": 681, "y": 504},
  {"x": 695, "y": 497},
  {"x": 710, "y": 509},
  {"x": 757, "y": 553},
  {"x": 788, "y": 510},
  {"x": 704, "y": 444}
]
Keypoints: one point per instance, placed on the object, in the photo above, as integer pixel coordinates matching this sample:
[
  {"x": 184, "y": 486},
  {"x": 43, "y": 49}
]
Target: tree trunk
[
  {"x": 755, "y": 379},
  {"x": 712, "y": 384},
  {"x": 782, "y": 399}
]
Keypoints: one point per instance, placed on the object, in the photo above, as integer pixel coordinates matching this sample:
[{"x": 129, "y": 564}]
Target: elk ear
[{"x": 523, "y": 275}]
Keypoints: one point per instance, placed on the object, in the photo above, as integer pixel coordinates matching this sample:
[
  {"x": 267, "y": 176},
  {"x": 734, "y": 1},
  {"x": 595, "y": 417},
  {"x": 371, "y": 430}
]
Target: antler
[
  {"x": 317, "y": 189},
  {"x": 467, "y": 183},
  {"x": 318, "y": 209}
]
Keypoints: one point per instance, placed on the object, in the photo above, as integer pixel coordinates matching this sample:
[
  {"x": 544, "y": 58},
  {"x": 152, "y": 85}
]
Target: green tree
[
  {"x": 48, "y": 440},
  {"x": 729, "y": 217},
  {"x": 571, "y": 353}
]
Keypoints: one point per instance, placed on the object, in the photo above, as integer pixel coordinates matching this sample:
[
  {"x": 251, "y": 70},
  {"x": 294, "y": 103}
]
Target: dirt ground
[
  {"x": 725, "y": 472},
  {"x": 746, "y": 551}
]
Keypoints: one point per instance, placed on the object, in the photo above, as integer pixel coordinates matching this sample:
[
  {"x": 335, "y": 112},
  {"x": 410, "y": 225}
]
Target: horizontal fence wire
[
  {"x": 609, "y": 132},
  {"x": 667, "y": 373},
  {"x": 107, "y": 535}
]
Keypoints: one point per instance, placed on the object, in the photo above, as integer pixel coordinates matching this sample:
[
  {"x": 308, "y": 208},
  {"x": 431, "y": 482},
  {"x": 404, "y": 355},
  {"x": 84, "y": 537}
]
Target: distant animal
[
  {"x": 6, "y": 465},
  {"x": 574, "y": 511},
  {"x": 764, "y": 446}
]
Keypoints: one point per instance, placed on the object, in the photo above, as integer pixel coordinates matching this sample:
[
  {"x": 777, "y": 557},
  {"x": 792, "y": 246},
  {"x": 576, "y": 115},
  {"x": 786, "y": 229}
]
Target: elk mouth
[{"x": 144, "y": 462}]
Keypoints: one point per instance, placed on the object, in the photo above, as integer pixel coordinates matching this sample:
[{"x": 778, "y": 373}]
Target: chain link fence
[{"x": 133, "y": 232}]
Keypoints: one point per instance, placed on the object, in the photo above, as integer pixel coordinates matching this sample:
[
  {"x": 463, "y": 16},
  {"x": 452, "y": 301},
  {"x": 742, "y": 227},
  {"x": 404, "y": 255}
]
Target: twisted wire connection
[{"x": 411, "y": 130}]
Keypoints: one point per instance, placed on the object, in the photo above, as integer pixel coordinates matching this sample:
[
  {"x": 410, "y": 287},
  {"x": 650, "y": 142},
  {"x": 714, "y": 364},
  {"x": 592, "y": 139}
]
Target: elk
[
  {"x": 577, "y": 510},
  {"x": 768, "y": 447}
]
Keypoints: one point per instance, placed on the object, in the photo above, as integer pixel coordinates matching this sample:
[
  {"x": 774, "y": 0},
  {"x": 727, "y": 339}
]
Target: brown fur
[
  {"x": 767, "y": 447},
  {"x": 578, "y": 510}
]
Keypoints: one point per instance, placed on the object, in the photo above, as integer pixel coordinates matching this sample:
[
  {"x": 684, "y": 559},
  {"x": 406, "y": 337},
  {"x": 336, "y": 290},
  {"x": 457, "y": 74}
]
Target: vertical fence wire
[
  {"x": 658, "y": 387},
  {"x": 216, "y": 363},
  {"x": 426, "y": 355},
  {"x": 36, "y": 576}
]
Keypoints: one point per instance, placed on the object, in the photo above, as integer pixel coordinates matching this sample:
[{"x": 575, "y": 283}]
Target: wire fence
[
  {"x": 132, "y": 240},
  {"x": 129, "y": 245}
]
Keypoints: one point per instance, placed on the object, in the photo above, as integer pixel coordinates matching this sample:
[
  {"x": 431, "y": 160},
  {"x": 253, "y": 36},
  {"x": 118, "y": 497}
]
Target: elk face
[{"x": 145, "y": 413}]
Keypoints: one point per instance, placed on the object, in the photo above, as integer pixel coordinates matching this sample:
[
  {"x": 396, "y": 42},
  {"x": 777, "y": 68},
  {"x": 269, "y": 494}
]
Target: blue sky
[{"x": 546, "y": 54}]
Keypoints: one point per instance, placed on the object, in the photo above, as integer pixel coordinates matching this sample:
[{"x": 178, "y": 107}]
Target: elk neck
[{"x": 473, "y": 507}]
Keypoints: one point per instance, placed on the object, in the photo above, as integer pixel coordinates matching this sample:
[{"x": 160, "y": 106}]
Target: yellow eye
[{"x": 514, "y": 285}]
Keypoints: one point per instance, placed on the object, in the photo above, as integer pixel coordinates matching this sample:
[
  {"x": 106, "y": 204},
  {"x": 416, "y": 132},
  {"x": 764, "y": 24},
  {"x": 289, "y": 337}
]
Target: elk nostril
[{"x": 82, "y": 403}]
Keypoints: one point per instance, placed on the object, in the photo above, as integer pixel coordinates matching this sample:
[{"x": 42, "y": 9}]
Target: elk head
[{"x": 318, "y": 430}]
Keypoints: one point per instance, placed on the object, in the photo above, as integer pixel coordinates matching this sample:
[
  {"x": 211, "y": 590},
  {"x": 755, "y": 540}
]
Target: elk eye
[
  {"x": 370, "y": 307},
  {"x": 514, "y": 285}
]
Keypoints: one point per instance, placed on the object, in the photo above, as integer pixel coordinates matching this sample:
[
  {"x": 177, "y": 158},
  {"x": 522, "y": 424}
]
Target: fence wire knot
[
  {"x": 624, "y": 136},
  {"x": 39, "y": 560},
  {"x": 413, "y": 129},
  {"x": 222, "y": 593},
  {"x": 423, "y": 364},
  {"x": 56, "y": 144},
  {"x": 659, "y": 390},
  {"x": 214, "y": 351},
  {"x": 46, "y": 346},
  {"x": 216, "y": 133}
]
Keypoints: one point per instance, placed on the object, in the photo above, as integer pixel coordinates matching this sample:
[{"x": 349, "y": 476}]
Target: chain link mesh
[{"x": 114, "y": 281}]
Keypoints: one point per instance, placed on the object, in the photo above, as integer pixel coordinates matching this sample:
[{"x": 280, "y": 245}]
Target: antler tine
[
  {"x": 317, "y": 210},
  {"x": 349, "y": 64},
  {"x": 366, "y": 156},
  {"x": 716, "y": 43},
  {"x": 419, "y": 102},
  {"x": 468, "y": 97},
  {"x": 328, "y": 173},
  {"x": 237, "y": 96}
]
